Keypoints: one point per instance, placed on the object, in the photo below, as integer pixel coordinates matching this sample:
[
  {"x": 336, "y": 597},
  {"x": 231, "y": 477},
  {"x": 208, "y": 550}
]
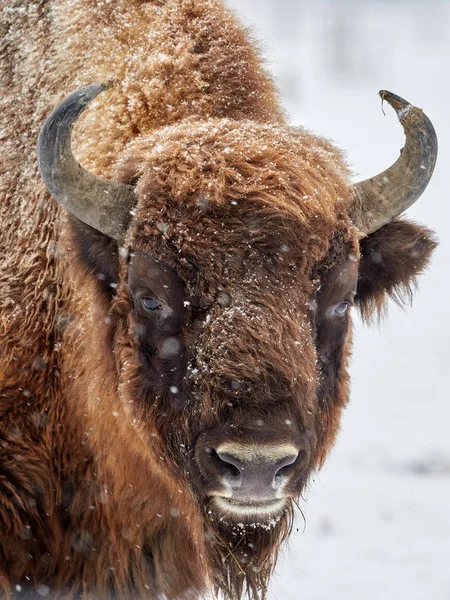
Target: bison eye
[
  {"x": 150, "y": 304},
  {"x": 341, "y": 309}
]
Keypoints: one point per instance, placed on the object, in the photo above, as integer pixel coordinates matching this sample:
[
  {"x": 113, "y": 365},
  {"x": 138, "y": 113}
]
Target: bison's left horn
[
  {"x": 102, "y": 204},
  {"x": 380, "y": 199}
]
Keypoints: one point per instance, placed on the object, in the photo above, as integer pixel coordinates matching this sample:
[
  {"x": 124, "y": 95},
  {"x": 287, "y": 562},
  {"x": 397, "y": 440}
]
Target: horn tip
[{"x": 399, "y": 104}]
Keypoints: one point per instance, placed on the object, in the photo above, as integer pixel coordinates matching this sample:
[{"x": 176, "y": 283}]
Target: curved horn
[
  {"x": 100, "y": 203},
  {"x": 380, "y": 199}
]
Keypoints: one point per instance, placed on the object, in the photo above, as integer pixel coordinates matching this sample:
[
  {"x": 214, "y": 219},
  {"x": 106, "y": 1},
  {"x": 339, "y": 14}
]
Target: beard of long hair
[{"x": 244, "y": 555}]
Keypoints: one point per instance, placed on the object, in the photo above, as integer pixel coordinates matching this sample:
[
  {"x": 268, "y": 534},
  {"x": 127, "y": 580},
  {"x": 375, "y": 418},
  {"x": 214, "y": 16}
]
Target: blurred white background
[{"x": 378, "y": 514}]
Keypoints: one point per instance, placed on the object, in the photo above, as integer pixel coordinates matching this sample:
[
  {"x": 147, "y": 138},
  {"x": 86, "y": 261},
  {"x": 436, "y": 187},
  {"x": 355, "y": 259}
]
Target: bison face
[{"x": 245, "y": 387}]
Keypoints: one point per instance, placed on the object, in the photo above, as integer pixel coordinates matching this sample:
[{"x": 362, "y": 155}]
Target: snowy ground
[{"x": 378, "y": 518}]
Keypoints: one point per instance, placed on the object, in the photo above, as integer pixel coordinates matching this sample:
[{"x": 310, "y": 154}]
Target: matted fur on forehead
[{"x": 239, "y": 192}]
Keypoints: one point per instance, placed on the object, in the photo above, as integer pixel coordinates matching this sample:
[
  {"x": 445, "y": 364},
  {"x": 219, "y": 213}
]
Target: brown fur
[
  {"x": 94, "y": 496},
  {"x": 393, "y": 257}
]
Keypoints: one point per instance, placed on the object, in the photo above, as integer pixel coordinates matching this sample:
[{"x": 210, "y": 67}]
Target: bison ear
[
  {"x": 98, "y": 253},
  {"x": 391, "y": 259}
]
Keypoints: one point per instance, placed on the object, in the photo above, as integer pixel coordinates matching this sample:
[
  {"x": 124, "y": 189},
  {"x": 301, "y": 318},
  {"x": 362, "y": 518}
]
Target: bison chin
[{"x": 244, "y": 552}]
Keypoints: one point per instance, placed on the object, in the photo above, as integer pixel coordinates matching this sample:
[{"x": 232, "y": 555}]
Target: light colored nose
[{"x": 254, "y": 471}]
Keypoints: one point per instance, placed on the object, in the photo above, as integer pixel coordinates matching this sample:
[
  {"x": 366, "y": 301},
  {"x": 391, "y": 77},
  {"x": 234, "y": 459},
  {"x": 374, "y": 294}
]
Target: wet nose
[{"x": 254, "y": 471}]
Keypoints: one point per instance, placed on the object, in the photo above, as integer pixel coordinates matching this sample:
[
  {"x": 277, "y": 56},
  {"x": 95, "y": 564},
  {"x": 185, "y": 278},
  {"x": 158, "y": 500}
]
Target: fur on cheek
[{"x": 391, "y": 260}]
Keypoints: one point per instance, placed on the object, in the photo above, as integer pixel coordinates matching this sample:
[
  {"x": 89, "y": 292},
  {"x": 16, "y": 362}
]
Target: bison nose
[{"x": 253, "y": 472}]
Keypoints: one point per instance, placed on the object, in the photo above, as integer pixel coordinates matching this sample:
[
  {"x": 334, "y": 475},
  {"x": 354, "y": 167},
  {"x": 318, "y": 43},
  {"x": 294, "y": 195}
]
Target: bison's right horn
[
  {"x": 100, "y": 203},
  {"x": 378, "y": 200}
]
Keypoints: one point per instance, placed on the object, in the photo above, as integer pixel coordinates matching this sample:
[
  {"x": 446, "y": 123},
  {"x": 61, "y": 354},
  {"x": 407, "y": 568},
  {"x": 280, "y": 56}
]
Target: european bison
[{"x": 175, "y": 339}]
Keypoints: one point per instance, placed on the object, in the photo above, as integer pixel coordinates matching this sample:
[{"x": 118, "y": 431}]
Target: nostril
[
  {"x": 284, "y": 471},
  {"x": 224, "y": 464},
  {"x": 287, "y": 465}
]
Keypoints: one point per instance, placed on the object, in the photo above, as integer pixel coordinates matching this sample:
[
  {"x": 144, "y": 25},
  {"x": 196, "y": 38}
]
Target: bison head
[{"x": 231, "y": 255}]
